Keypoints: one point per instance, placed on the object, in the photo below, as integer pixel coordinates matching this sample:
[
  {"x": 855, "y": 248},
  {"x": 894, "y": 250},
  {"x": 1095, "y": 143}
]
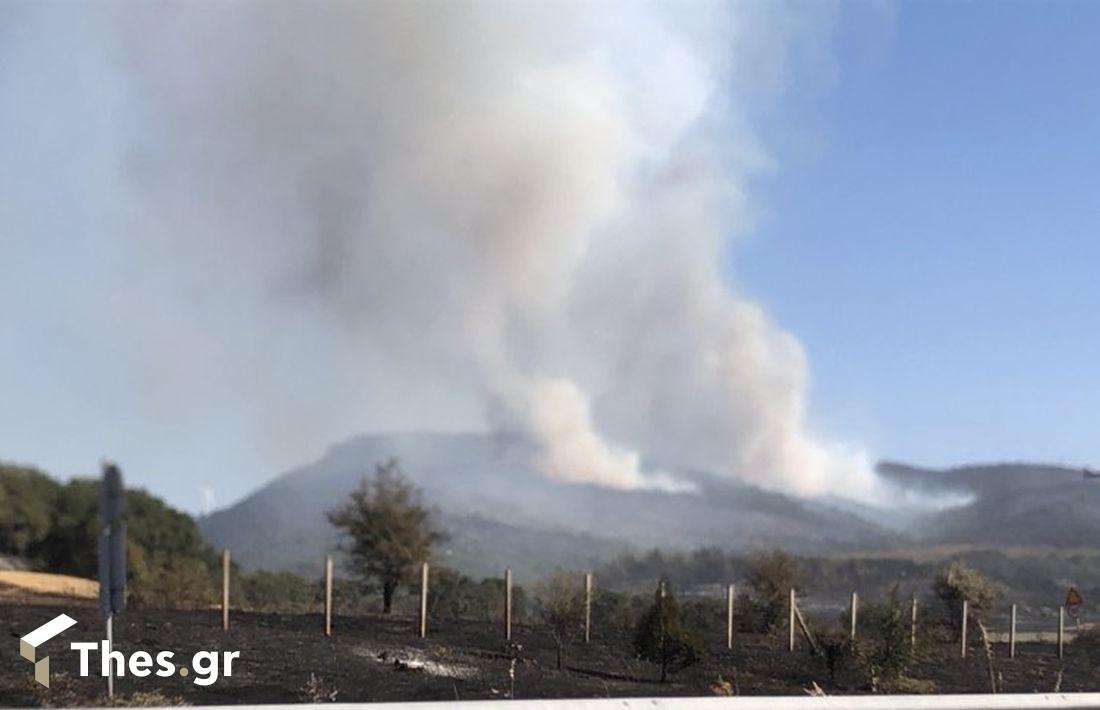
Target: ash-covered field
[{"x": 286, "y": 658}]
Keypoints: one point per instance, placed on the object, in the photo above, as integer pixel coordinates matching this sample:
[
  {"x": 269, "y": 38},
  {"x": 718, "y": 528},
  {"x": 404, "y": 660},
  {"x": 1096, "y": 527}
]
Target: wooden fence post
[
  {"x": 587, "y": 607},
  {"x": 855, "y": 610},
  {"x": 913, "y": 624},
  {"x": 225, "y": 589},
  {"x": 729, "y": 616},
  {"x": 1012, "y": 634},
  {"x": 1061, "y": 630},
  {"x": 790, "y": 622},
  {"x": 423, "y": 599},
  {"x": 508, "y": 604},
  {"x": 328, "y": 595},
  {"x": 962, "y": 634}
]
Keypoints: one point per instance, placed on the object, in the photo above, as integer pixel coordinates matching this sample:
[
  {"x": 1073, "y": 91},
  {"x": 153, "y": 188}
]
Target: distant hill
[
  {"x": 1014, "y": 504},
  {"x": 501, "y": 512}
]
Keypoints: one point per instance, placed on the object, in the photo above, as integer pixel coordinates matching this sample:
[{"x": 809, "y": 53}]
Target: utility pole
[{"x": 112, "y": 556}]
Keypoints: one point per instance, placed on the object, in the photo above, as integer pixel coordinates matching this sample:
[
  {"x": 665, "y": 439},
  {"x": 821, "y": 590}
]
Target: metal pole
[
  {"x": 225, "y": 589},
  {"x": 587, "y": 607},
  {"x": 423, "y": 600},
  {"x": 854, "y": 608},
  {"x": 508, "y": 604},
  {"x": 328, "y": 595},
  {"x": 729, "y": 616},
  {"x": 790, "y": 623},
  {"x": 1012, "y": 635},
  {"x": 110, "y": 647}
]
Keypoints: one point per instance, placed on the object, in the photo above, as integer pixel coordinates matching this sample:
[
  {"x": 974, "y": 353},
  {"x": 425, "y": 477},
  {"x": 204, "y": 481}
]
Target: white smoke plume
[{"x": 521, "y": 208}]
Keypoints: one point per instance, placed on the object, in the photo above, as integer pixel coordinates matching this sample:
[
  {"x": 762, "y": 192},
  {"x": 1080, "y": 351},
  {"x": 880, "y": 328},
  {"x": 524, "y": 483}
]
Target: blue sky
[
  {"x": 929, "y": 232},
  {"x": 938, "y": 249}
]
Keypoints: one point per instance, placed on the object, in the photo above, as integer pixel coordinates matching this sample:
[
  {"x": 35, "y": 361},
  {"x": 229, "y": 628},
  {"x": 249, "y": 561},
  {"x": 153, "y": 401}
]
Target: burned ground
[{"x": 375, "y": 658}]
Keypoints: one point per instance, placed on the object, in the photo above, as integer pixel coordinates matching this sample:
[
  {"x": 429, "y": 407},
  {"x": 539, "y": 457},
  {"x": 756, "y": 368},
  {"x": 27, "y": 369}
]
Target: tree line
[{"x": 389, "y": 531}]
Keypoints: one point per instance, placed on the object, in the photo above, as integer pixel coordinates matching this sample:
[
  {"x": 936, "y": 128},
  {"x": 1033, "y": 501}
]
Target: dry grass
[{"x": 44, "y": 583}]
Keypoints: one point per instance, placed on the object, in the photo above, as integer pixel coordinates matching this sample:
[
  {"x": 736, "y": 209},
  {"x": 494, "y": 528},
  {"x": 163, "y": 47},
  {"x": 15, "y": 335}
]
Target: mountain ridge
[{"x": 500, "y": 511}]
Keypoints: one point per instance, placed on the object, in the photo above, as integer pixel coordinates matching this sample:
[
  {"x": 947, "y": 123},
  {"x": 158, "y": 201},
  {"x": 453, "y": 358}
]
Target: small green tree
[
  {"x": 884, "y": 649},
  {"x": 661, "y": 637},
  {"x": 390, "y": 530}
]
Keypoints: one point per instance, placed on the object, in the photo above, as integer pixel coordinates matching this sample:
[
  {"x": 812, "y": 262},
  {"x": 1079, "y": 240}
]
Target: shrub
[
  {"x": 703, "y": 614},
  {"x": 771, "y": 575},
  {"x": 883, "y": 647},
  {"x": 836, "y": 650},
  {"x": 278, "y": 591},
  {"x": 960, "y": 583},
  {"x": 661, "y": 637},
  {"x": 165, "y": 581}
]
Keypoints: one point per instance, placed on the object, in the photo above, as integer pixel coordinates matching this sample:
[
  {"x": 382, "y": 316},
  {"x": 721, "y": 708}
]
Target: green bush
[
  {"x": 883, "y": 647},
  {"x": 279, "y": 591},
  {"x": 616, "y": 613},
  {"x": 27, "y": 497},
  {"x": 167, "y": 582},
  {"x": 771, "y": 575},
  {"x": 662, "y": 638}
]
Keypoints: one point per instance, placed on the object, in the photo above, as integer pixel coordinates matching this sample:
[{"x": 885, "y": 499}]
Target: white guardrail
[{"x": 796, "y": 702}]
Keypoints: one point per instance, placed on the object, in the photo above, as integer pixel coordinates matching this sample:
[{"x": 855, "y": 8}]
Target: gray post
[
  {"x": 508, "y": 604},
  {"x": 111, "y": 556},
  {"x": 854, "y": 609},
  {"x": 587, "y": 607},
  {"x": 423, "y": 600},
  {"x": 913, "y": 624},
  {"x": 729, "y": 616},
  {"x": 328, "y": 595},
  {"x": 225, "y": 589},
  {"x": 790, "y": 622},
  {"x": 110, "y": 647},
  {"x": 962, "y": 635},
  {"x": 1012, "y": 634},
  {"x": 1061, "y": 631}
]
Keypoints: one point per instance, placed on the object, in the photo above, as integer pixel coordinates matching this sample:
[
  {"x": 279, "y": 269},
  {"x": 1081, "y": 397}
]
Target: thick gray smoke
[{"x": 515, "y": 212}]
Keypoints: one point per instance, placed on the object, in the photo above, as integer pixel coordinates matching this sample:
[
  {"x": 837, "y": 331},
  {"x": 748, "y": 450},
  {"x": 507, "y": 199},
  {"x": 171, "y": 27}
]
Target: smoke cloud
[{"x": 506, "y": 215}]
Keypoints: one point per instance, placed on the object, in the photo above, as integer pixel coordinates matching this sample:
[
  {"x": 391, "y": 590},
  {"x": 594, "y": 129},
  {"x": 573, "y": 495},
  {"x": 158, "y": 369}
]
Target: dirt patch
[{"x": 61, "y": 585}]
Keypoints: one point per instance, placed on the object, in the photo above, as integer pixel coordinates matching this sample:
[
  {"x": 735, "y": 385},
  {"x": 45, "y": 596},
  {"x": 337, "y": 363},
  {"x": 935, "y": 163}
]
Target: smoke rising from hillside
[{"x": 522, "y": 208}]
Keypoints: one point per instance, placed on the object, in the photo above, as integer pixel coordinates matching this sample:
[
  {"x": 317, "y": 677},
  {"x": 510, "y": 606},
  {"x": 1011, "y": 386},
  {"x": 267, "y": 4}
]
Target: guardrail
[{"x": 796, "y": 702}]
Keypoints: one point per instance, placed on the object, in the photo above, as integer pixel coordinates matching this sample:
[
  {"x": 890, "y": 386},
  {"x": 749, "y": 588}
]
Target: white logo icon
[{"x": 29, "y": 644}]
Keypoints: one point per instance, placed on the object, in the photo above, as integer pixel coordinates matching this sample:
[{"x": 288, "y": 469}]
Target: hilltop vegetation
[{"x": 53, "y": 527}]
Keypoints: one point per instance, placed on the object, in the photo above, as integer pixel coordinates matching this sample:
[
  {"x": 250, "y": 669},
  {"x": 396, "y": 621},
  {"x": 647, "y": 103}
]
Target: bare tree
[{"x": 560, "y": 609}]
